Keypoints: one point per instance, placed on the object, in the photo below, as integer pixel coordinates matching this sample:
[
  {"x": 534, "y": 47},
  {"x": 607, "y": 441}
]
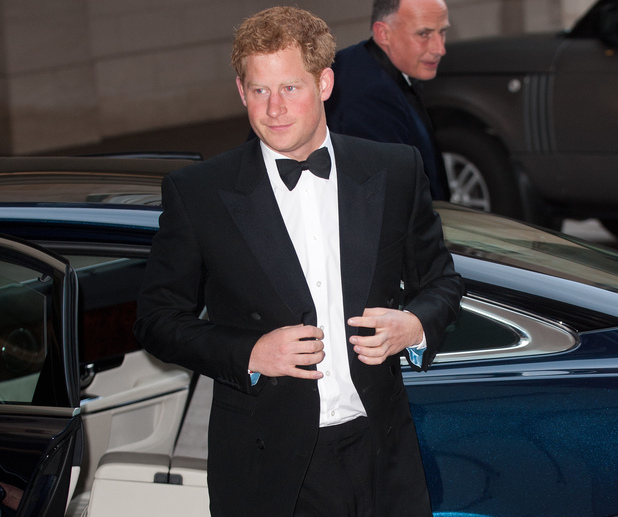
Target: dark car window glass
[
  {"x": 512, "y": 243},
  {"x": 108, "y": 289},
  {"x": 477, "y": 332},
  {"x": 23, "y": 331},
  {"x": 489, "y": 330}
]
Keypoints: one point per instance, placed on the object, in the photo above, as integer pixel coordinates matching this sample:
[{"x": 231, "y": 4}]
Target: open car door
[
  {"x": 130, "y": 401},
  {"x": 40, "y": 421}
]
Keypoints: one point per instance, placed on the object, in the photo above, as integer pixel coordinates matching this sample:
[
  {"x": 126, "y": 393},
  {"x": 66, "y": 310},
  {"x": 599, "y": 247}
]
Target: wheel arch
[
  {"x": 448, "y": 117},
  {"x": 445, "y": 117}
]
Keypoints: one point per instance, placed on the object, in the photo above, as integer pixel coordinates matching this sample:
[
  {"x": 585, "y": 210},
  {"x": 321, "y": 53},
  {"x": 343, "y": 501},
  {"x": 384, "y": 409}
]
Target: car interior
[
  {"x": 22, "y": 328},
  {"x": 132, "y": 404},
  {"x": 130, "y": 401}
]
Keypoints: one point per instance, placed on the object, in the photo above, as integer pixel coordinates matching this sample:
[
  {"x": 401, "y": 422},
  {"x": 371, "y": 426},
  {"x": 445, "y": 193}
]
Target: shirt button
[
  {"x": 332, "y": 413},
  {"x": 318, "y": 283},
  {"x": 327, "y": 373}
]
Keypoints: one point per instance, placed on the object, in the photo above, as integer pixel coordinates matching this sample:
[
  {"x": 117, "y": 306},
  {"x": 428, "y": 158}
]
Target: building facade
[{"x": 74, "y": 72}]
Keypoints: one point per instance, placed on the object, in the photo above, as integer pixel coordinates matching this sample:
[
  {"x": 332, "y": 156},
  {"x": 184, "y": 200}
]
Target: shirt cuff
[
  {"x": 415, "y": 353},
  {"x": 255, "y": 377}
]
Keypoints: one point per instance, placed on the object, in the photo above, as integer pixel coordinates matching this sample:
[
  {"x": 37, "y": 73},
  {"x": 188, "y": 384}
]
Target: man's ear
[
  {"x": 381, "y": 32},
  {"x": 326, "y": 83},
  {"x": 241, "y": 91}
]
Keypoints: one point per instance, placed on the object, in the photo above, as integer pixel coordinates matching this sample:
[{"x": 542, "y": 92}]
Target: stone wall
[
  {"x": 74, "y": 72},
  {"x": 477, "y": 18}
]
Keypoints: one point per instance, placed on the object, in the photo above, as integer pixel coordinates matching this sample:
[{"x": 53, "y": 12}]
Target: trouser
[{"x": 340, "y": 478}]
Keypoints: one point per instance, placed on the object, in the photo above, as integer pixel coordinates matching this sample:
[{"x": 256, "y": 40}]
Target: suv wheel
[{"x": 478, "y": 170}]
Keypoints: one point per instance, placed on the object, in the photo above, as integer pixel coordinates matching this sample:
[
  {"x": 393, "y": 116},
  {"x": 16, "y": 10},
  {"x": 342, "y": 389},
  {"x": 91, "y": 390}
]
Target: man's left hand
[{"x": 394, "y": 331}]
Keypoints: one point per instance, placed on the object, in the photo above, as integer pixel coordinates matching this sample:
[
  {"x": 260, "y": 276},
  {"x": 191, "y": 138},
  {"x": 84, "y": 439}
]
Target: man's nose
[
  {"x": 437, "y": 44},
  {"x": 276, "y": 105}
]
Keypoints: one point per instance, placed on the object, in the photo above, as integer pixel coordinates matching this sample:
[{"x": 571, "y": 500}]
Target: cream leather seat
[{"x": 129, "y": 483}]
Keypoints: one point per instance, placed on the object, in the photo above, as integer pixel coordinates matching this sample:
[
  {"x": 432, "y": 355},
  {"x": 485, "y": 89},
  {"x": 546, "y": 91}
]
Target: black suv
[{"x": 529, "y": 124}]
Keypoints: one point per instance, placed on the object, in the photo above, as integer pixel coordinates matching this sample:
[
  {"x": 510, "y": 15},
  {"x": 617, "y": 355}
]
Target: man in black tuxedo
[
  {"x": 304, "y": 272},
  {"x": 377, "y": 82}
]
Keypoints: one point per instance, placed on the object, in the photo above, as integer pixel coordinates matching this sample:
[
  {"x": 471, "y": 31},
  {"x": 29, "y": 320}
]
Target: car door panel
[
  {"x": 39, "y": 447},
  {"x": 517, "y": 416},
  {"x": 534, "y": 444},
  {"x": 131, "y": 401},
  {"x": 40, "y": 422},
  {"x": 137, "y": 406}
]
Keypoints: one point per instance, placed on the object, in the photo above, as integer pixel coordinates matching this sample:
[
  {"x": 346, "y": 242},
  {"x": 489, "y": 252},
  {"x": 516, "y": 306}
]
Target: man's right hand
[{"x": 279, "y": 352}]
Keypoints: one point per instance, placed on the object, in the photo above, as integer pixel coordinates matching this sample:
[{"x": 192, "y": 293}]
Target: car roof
[
  {"x": 129, "y": 163},
  {"x": 103, "y": 179}
]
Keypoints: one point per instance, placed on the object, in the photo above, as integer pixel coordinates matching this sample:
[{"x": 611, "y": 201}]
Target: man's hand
[
  {"x": 279, "y": 352},
  {"x": 394, "y": 331}
]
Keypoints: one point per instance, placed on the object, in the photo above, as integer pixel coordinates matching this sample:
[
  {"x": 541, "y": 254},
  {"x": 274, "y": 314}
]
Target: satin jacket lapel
[
  {"x": 255, "y": 211},
  {"x": 361, "y": 206}
]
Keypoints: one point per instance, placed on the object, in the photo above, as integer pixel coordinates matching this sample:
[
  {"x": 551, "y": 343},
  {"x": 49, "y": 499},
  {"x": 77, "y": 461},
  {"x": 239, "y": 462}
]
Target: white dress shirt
[{"x": 311, "y": 215}]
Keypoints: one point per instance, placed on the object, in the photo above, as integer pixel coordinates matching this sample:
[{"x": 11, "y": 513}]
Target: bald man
[{"x": 377, "y": 82}]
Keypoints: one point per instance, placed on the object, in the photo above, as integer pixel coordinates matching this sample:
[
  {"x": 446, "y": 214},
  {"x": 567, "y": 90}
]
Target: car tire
[{"x": 479, "y": 172}]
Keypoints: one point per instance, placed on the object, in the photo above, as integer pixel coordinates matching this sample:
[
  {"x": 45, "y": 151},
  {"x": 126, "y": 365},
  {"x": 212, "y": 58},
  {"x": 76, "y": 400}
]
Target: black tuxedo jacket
[
  {"x": 223, "y": 244},
  {"x": 371, "y": 99}
]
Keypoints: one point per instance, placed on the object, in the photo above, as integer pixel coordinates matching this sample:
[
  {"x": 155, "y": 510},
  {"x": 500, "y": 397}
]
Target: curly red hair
[{"x": 279, "y": 28}]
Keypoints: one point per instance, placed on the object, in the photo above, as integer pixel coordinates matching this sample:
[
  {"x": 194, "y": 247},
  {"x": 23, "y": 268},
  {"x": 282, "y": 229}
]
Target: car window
[
  {"x": 478, "y": 332},
  {"x": 510, "y": 242},
  {"x": 108, "y": 289},
  {"x": 24, "y": 315},
  {"x": 488, "y": 330}
]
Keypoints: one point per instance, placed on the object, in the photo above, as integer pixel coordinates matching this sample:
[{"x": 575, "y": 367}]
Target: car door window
[
  {"x": 23, "y": 331},
  {"x": 38, "y": 359},
  {"x": 476, "y": 331},
  {"x": 108, "y": 292},
  {"x": 489, "y": 330}
]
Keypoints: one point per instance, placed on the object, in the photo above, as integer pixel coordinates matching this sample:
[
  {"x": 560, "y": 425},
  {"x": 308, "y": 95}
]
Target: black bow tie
[{"x": 318, "y": 163}]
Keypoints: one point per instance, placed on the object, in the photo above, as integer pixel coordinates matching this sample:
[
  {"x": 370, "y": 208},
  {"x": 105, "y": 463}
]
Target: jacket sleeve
[
  {"x": 432, "y": 288},
  {"x": 170, "y": 322}
]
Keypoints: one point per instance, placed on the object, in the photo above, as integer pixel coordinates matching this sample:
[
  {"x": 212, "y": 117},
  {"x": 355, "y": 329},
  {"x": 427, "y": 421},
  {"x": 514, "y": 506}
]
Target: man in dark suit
[
  {"x": 377, "y": 82},
  {"x": 303, "y": 268}
]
